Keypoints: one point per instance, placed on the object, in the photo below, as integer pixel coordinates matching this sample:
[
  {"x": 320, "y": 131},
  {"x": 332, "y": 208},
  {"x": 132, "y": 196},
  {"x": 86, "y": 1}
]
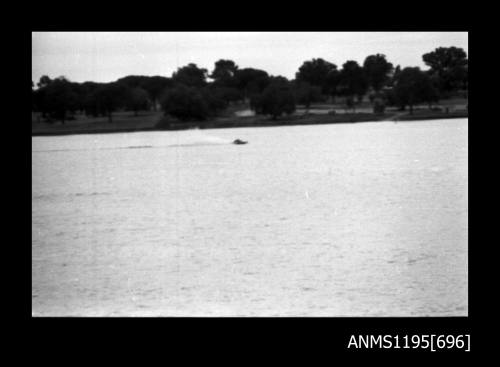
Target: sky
[{"x": 107, "y": 56}]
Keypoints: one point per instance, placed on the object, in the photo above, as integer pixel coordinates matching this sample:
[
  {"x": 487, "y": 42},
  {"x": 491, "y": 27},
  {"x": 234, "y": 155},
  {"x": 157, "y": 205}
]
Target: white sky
[{"x": 105, "y": 57}]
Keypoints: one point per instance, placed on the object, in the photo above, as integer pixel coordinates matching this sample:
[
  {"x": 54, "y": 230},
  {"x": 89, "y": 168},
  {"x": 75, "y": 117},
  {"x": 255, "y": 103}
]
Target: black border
[{"x": 320, "y": 334}]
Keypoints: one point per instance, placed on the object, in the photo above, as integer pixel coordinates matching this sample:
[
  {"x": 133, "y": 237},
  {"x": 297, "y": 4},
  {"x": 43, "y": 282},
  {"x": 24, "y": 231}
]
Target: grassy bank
[
  {"x": 426, "y": 115},
  {"x": 314, "y": 119},
  {"x": 122, "y": 122},
  {"x": 154, "y": 121}
]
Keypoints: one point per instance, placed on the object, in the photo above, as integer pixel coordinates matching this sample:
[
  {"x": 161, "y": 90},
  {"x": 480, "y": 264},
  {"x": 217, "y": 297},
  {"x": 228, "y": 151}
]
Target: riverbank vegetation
[{"x": 232, "y": 96}]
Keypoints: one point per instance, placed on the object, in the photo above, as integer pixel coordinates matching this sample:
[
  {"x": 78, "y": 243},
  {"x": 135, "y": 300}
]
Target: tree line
[{"x": 192, "y": 93}]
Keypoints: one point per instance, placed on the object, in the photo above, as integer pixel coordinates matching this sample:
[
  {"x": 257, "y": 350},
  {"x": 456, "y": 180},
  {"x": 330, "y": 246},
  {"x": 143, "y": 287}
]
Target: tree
[
  {"x": 155, "y": 86},
  {"x": 226, "y": 94},
  {"x": 224, "y": 73},
  {"x": 59, "y": 98},
  {"x": 251, "y": 81},
  {"x": 276, "y": 99},
  {"x": 191, "y": 76},
  {"x": 44, "y": 81},
  {"x": 394, "y": 77},
  {"x": 413, "y": 86},
  {"x": 137, "y": 100},
  {"x": 306, "y": 93},
  {"x": 352, "y": 81},
  {"x": 449, "y": 67},
  {"x": 132, "y": 81},
  {"x": 79, "y": 92},
  {"x": 39, "y": 95},
  {"x": 185, "y": 103},
  {"x": 377, "y": 70},
  {"x": 319, "y": 73},
  {"x": 332, "y": 83},
  {"x": 215, "y": 99},
  {"x": 88, "y": 98},
  {"x": 378, "y": 102},
  {"x": 109, "y": 97}
]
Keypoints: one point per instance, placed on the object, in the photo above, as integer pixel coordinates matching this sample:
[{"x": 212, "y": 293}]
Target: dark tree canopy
[
  {"x": 190, "y": 94},
  {"x": 109, "y": 97},
  {"x": 133, "y": 81},
  {"x": 276, "y": 99},
  {"x": 445, "y": 58},
  {"x": 216, "y": 99},
  {"x": 306, "y": 93},
  {"x": 88, "y": 98},
  {"x": 352, "y": 80},
  {"x": 227, "y": 94},
  {"x": 377, "y": 70},
  {"x": 413, "y": 86},
  {"x": 155, "y": 86},
  {"x": 449, "y": 67},
  {"x": 395, "y": 75},
  {"x": 60, "y": 98},
  {"x": 191, "y": 76},
  {"x": 251, "y": 81},
  {"x": 185, "y": 103},
  {"x": 137, "y": 99},
  {"x": 37, "y": 98},
  {"x": 320, "y": 73},
  {"x": 224, "y": 73},
  {"x": 44, "y": 81}
]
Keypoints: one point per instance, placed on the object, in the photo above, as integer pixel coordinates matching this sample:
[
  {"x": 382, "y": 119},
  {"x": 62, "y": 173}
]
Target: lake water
[{"x": 329, "y": 220}]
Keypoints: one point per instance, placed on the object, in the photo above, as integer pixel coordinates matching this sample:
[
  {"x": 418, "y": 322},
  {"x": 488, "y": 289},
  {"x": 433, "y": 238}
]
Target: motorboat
[{"x": 239, "y": 141}]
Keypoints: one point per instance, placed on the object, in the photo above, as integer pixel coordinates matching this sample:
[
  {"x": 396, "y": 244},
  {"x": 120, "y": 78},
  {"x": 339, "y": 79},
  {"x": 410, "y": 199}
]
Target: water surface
[{"x": 328, "y": 220}]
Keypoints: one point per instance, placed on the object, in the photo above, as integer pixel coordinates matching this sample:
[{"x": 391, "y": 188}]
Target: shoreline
[{"x": 253, "y": 121}]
